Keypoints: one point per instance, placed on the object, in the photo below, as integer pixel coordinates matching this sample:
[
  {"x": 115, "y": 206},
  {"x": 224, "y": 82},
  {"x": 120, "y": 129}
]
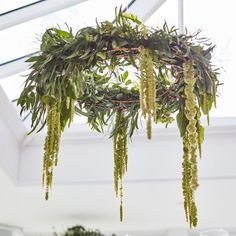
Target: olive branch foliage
[{"x": 86, "y": 74}]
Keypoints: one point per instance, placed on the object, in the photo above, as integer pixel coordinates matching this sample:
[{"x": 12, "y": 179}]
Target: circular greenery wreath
[{"x": 87, "y": 74}]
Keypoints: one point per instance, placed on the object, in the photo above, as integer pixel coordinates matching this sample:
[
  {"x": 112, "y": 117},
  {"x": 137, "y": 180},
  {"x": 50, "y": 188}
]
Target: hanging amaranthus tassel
[
  {"x": 51, "y": 146},
  {"x": 188, "y": 190},
  {"x": 120, "y": 156},
  {"x": 190, "y": 143},
  {"x": 147, "y": 88}
]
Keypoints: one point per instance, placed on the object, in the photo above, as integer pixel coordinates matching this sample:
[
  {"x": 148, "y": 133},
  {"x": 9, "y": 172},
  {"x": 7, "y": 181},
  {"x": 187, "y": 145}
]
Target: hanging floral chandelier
[{"x": 87, "y": 74}]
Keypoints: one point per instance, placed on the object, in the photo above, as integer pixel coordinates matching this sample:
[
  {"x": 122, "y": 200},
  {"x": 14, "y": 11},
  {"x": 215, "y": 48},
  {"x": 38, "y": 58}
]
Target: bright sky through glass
[
  {"x": 217, "y": 21},
  {"x": 28, "y": 34},
  {"x": 167, "y": 12},
  {"x": 13, "y": 85},
  {"x": 215, "y": 18}
]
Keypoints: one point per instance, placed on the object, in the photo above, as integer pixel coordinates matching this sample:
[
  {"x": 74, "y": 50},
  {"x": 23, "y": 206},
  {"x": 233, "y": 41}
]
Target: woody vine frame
[{"x": 87, "y": 74}]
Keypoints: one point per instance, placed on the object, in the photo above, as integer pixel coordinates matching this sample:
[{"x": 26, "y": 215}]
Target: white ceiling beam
[
  {"x": 12, "y": 132},
  {"x": 144, "y": 9},
  {"x": 81, "y": 145},
  {"x": 12, "y": 120},
  {"x": 33, "y": 11}
]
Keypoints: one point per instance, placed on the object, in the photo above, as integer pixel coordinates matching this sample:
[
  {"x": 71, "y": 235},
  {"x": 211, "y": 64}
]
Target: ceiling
[
  {"x": 83, "y": 192},
  {"x": 149, "y": 206}
]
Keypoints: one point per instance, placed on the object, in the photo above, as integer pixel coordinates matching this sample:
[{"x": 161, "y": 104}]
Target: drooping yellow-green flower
[
  {"x": 190, "y": 144},
  {"x": 147, "y": 88},
  {"x": 51, "y": 146},
  {"x": 120, "y": 156}
]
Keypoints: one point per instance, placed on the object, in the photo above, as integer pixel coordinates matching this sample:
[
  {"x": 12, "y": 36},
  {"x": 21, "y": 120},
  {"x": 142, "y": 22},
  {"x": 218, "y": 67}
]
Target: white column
[{"x": 181, "y": 16}]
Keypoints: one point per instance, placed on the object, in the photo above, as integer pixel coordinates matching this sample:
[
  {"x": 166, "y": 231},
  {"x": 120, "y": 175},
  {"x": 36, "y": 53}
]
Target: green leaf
[
  {"x": 181, "y": 122},
  {"x": 122, "y": 42},
  {"x": 100, "y": 98},
  {"x": 132, "y": 17},
  {"x": 101, "y": 55},
  {"x": 201, "y": 133},
  {"x": 128, "y": 82},
  {"x": 125, "y": 75},
  {"x": 45, "y": 99},
  {"x": 48, "y": 99},
  {"x": 71, "y": 91},
  {"x": 62, "y": 33},
  {"x": 200, "y": 138},
  {"x": 89, "y": 38},
  {"x": 206, "y": 102},
  {"x": 114, "y": 44},
  {"x": 86, "y": 53},
  {"x": 75, "y": 54}
]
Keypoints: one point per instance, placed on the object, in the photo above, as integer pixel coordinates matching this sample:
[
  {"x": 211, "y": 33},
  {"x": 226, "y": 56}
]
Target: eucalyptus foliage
[{"x": 87, "y": 74}]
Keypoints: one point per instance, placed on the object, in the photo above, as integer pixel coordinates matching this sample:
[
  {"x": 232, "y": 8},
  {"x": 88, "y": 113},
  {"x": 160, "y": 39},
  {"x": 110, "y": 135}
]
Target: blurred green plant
[{"x": 79, "y": 230}]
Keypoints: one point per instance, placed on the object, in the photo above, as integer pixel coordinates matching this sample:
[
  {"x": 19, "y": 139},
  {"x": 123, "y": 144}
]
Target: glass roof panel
[
  {"x": 13, "y": 85},
  {"x": 24, "y": 39},
  {"x": 220, "y": 30},
  {"x": 216, "y": 19},
  {"x": 9, "y": 5},
  {"x": 167, "y": 12}
]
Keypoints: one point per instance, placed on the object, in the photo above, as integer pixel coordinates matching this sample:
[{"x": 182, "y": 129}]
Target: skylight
[
  {"x": 13, "y": 85},
  {"x": 167, "y": 12},
  {"x": 11, "y": 5},
  {"x": 216, "y": 20},
  {"x": 25, "y": 38}
]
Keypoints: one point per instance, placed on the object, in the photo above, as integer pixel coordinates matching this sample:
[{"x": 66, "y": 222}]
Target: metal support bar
[
  {"x": 181, "y": 16},
  {"x": 15, "y": 66}
]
